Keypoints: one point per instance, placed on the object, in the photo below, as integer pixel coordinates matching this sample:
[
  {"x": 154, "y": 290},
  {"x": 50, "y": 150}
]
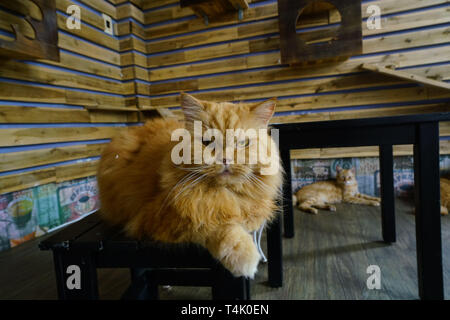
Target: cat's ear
[
  {"x": 338, "y": 168},
  {"x": 192, "y": 107},
  {"x": 263, "y": 111}
]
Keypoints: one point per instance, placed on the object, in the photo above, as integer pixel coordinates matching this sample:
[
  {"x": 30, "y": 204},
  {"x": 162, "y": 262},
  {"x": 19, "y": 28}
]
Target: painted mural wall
[
  {"x": 367, "y": 173},
  {"x": 30, "y": 213}
]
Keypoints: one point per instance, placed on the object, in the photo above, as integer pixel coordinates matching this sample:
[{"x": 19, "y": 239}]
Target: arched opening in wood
[{"x": 318, "y": 22}]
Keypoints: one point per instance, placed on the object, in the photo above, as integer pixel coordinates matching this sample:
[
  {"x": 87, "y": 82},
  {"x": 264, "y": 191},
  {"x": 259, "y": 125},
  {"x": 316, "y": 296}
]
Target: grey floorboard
[{"x": 327, "y": 259}]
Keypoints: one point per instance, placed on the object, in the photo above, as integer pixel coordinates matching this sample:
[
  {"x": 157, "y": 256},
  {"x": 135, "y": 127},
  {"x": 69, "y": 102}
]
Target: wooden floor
[{"x": 327, "y": 259}]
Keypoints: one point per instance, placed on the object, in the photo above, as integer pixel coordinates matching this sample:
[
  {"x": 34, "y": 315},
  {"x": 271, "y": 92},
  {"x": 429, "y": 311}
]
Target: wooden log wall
[
  {"x": 55, "y": 118},
  {"x": 55, "y": 114},
  {"x": 240, "y": 61}
]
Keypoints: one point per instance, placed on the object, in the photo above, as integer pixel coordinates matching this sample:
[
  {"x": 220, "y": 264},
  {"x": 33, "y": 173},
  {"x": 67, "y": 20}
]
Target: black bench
[
  {"x": 420, "y": 130},
  {"x": 90, "y": 244}
]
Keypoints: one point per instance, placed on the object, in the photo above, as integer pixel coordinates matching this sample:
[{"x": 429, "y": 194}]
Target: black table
[
  {"x": 420, "y": 130},
  {"x": 90, "y": 243}
]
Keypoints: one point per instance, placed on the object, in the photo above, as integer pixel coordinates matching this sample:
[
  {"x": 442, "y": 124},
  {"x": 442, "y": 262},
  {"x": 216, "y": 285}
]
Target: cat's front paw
[
  {"x": 374, "y": 203},
  {"x": 242, "y": 259}
]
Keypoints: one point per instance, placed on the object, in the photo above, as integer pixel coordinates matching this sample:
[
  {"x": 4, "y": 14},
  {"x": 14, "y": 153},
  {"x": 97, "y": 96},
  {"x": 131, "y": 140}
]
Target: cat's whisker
[
  {"x": 258, "y": 186},
  {"x": 279, "y": 194},
  {"x": 264, "y": 187},
  {"x": 193, "y": 169},
  {"x": 190, "y": 185},
  {"x": 185, "y": 179},
  {"x": 252, "y": 182}
]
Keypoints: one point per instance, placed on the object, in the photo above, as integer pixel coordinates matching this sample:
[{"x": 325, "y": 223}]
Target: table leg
[
  {"x": 247, "y": 290},
  {"x": 228, "y": 287},
  {"x": 76, "y": 276},
  {"x": 428, "y": 220},
  {"x": 275, "y": 253},
  {"x": 288, "y": 217},
  {"x": 152, "y": 286},
  {"x": 387, "y": 193},
  {"x": 141, "y": 287}
]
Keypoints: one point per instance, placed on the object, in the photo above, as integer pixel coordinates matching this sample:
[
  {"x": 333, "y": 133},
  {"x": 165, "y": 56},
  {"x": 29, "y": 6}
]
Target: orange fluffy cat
[
  {"x": 445, "y": 195},
  {"x": 216, "y": 206},
  {"x": 324, "y": 194}
]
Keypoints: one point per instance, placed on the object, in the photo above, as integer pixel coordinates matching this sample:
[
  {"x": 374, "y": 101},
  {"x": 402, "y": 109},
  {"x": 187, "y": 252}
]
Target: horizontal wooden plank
[
  {"x": 362, "y": 113},
  {"x": 28, "y": 136},
  {"x": 132, "y": 43},
  {"x": 26, "y": 180},
  {"x": 123, "y": 109},
  {"x": 134, "y": 73},
  {"x": 400, "y": 95},
  {"x": 157, "y": 3},
  {"x": 29, "y": 93},
  {"x": 26, "y": 159},
  {"x": 89, "y": 33},
  {"x": 36, "y": 93},
  {"x": 164, "y": 14},
  {"x": 16, "y": 182},
  {"x": 43, "y": 74},
  {"x": 76, "y": 171},
  {"x": 79, "y": 63},
  {"x": 359, "y": 152},
  {"x": 19, "y": 114},
  {"x": 87, "y": 49},
  {"x": 88, "y": 99},
  {"x": 444, "y": 128},
  {"x": 133, "y": 58},
  {"x": 102, "y": 6},
  {"x": 227, "y": 49},
  {"x": 128, "y": 10},
  {"x": 110, "y": 115}
]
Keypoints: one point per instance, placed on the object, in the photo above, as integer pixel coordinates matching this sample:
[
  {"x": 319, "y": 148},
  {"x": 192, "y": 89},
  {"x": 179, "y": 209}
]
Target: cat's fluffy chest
[
  {"x": 221, "y": 203},
  {"x": 349, "y": 190}
]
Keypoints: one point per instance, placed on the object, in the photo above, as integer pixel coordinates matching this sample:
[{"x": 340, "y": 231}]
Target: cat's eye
[{"x": 243, "y": 143}]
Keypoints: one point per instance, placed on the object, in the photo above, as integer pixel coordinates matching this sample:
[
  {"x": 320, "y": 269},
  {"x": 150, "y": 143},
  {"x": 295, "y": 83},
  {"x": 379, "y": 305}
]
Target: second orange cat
[{"x": 323, "y": 194}]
